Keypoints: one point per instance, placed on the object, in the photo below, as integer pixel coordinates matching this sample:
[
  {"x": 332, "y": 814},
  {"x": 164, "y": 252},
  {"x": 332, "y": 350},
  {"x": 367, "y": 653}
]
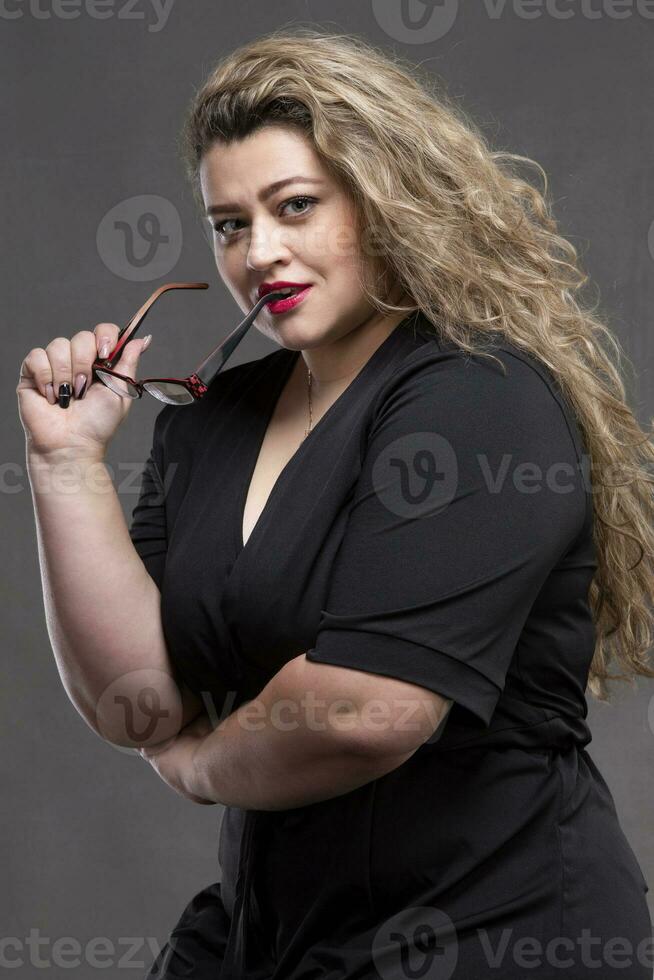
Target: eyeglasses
[{"x": 174, "y": 391}]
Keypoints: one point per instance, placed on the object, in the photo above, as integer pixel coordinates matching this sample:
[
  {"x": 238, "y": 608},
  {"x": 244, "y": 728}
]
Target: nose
[{"x": 267, "y": 246}]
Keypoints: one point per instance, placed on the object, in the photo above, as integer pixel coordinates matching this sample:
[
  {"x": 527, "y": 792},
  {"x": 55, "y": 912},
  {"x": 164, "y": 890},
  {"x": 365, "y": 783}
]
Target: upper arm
[
  {"x": 455, "y": 525},
  {"x": 379, "y": 715},
  {"x": 148, "y": 528},
  {"x": 178, "y": 704}
]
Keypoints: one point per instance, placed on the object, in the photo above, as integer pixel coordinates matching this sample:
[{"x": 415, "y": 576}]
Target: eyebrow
[{"x": 265, "y": 193}]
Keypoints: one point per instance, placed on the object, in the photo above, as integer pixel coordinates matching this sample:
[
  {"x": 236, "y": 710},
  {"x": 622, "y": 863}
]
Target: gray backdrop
[{"x": 93, "y": 94}]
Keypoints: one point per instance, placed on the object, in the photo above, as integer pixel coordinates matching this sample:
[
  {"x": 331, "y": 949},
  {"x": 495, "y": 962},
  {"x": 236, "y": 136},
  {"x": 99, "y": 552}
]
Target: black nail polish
[{"x": 64, "y": 394}]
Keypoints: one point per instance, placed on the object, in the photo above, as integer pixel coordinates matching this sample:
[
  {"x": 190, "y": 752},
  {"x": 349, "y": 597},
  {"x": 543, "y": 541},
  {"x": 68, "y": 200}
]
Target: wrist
[
  {"x": 64, "y": 455},
  {"x": 63, "y": 473}
]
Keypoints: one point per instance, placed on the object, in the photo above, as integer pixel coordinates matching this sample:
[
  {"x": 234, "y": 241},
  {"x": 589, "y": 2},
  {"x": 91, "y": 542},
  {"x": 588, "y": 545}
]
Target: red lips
[{"x": 268, "y": 287}]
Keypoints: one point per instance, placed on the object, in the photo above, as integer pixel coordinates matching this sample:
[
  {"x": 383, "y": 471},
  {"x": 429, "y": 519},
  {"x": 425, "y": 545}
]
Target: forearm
[
  {"x": 278, "y": 753},
  {"x": 102, "y": 608}
]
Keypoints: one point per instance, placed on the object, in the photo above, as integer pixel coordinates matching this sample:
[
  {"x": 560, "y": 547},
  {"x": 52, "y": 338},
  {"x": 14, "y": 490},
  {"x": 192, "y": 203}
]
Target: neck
[{"x": 335, "y": 364}]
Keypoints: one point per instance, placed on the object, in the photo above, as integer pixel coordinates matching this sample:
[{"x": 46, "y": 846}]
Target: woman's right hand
[{"x": 86, "y": 427}]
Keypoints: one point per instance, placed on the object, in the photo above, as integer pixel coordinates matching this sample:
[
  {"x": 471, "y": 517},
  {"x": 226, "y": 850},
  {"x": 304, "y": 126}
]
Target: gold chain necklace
[
  {"x": 307, "y": 431},
  {"x": 309, "y": 381}
]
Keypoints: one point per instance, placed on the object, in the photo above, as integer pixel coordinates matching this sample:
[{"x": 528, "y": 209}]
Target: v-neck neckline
[
  {"x": 256, "y": 450},
  {"x": 240, "y": 546}
]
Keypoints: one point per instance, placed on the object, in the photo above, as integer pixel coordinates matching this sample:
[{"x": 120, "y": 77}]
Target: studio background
[{"x": 96, "y": 215}]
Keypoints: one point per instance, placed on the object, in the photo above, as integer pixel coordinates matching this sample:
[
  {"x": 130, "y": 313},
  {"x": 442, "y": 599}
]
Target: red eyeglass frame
[{"x": 197, "y": 383}]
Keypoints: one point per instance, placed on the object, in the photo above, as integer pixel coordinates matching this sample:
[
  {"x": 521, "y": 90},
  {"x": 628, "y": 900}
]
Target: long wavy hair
[{"x": 474, "y": 244}]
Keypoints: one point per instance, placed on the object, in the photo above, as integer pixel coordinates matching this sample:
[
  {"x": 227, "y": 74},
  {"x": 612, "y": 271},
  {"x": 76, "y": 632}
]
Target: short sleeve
[
  {"x": 147, "y": 528},
  {"x": 466, "y": 500}
]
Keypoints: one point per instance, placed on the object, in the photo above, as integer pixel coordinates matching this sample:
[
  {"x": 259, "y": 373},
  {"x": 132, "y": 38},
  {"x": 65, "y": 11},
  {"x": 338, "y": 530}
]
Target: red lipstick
[{"x": 301, "y": 290}]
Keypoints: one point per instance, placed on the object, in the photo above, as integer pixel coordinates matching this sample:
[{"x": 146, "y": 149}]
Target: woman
[{"x": 376, "y": 554}]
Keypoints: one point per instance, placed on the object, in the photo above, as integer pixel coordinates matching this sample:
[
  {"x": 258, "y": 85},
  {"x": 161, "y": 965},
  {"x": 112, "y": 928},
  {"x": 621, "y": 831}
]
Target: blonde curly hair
[{"x": 476, "y": 248}]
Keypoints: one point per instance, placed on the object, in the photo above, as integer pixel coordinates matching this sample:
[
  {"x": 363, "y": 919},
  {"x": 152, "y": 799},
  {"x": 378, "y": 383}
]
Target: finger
[
  {"x": 83, "y": 353},
  {"x": 106, "y": 335},
  {"x": 36, "y": 368},
  {"x": 58, "y": 351},
  {"x": 128, "y": 362}
]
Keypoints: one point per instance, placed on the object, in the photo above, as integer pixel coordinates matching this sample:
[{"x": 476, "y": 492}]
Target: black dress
[{"x": 435, "y": 526}]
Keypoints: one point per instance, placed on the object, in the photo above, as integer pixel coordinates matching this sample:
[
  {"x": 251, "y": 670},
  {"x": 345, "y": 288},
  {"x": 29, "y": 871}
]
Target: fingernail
[
  {"x": 80, "y": 385},
  {"x": 104, "y": 349},
  {"x": 49, "y": 393},
  {"x": 64, "y": 394},
  {"x": 146, "y": 342}
]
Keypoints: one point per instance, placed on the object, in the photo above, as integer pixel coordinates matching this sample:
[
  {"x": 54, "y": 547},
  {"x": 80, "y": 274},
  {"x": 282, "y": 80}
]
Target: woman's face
[{"x": 303, "y": 232}]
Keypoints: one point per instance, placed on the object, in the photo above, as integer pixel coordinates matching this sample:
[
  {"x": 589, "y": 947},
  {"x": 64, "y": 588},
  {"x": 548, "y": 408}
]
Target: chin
[{"x": 291, "y": 336}]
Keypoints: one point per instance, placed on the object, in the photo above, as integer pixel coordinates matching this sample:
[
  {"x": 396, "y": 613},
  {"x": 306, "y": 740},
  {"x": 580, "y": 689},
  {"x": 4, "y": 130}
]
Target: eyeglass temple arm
[
  {"x": 128, "y": 331},
  {"x": 207, "y": 370}
]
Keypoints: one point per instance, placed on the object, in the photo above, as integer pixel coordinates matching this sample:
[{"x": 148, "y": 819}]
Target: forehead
[{"x": 249, "y": 164}]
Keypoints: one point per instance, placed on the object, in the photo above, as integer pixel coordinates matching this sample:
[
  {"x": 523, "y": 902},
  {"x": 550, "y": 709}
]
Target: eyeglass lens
[{"x": 165, "y": 391}]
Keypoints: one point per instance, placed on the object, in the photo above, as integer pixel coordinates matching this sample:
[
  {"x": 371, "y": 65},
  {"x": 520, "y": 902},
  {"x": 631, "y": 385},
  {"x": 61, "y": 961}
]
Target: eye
[
  {"x": 220, "y": 229},
  {"x": 294, "y": 200}
]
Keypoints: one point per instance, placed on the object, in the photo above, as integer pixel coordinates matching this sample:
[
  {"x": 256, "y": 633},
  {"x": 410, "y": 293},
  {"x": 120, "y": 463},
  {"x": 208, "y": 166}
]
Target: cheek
[
  {"x": 344, "y": 267},
  {"x": 330, "y": 241},
  {"x": 338, "y": 255},
  {"x": 230, "y": 262},
  {"x": 345, "y": 245}
]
